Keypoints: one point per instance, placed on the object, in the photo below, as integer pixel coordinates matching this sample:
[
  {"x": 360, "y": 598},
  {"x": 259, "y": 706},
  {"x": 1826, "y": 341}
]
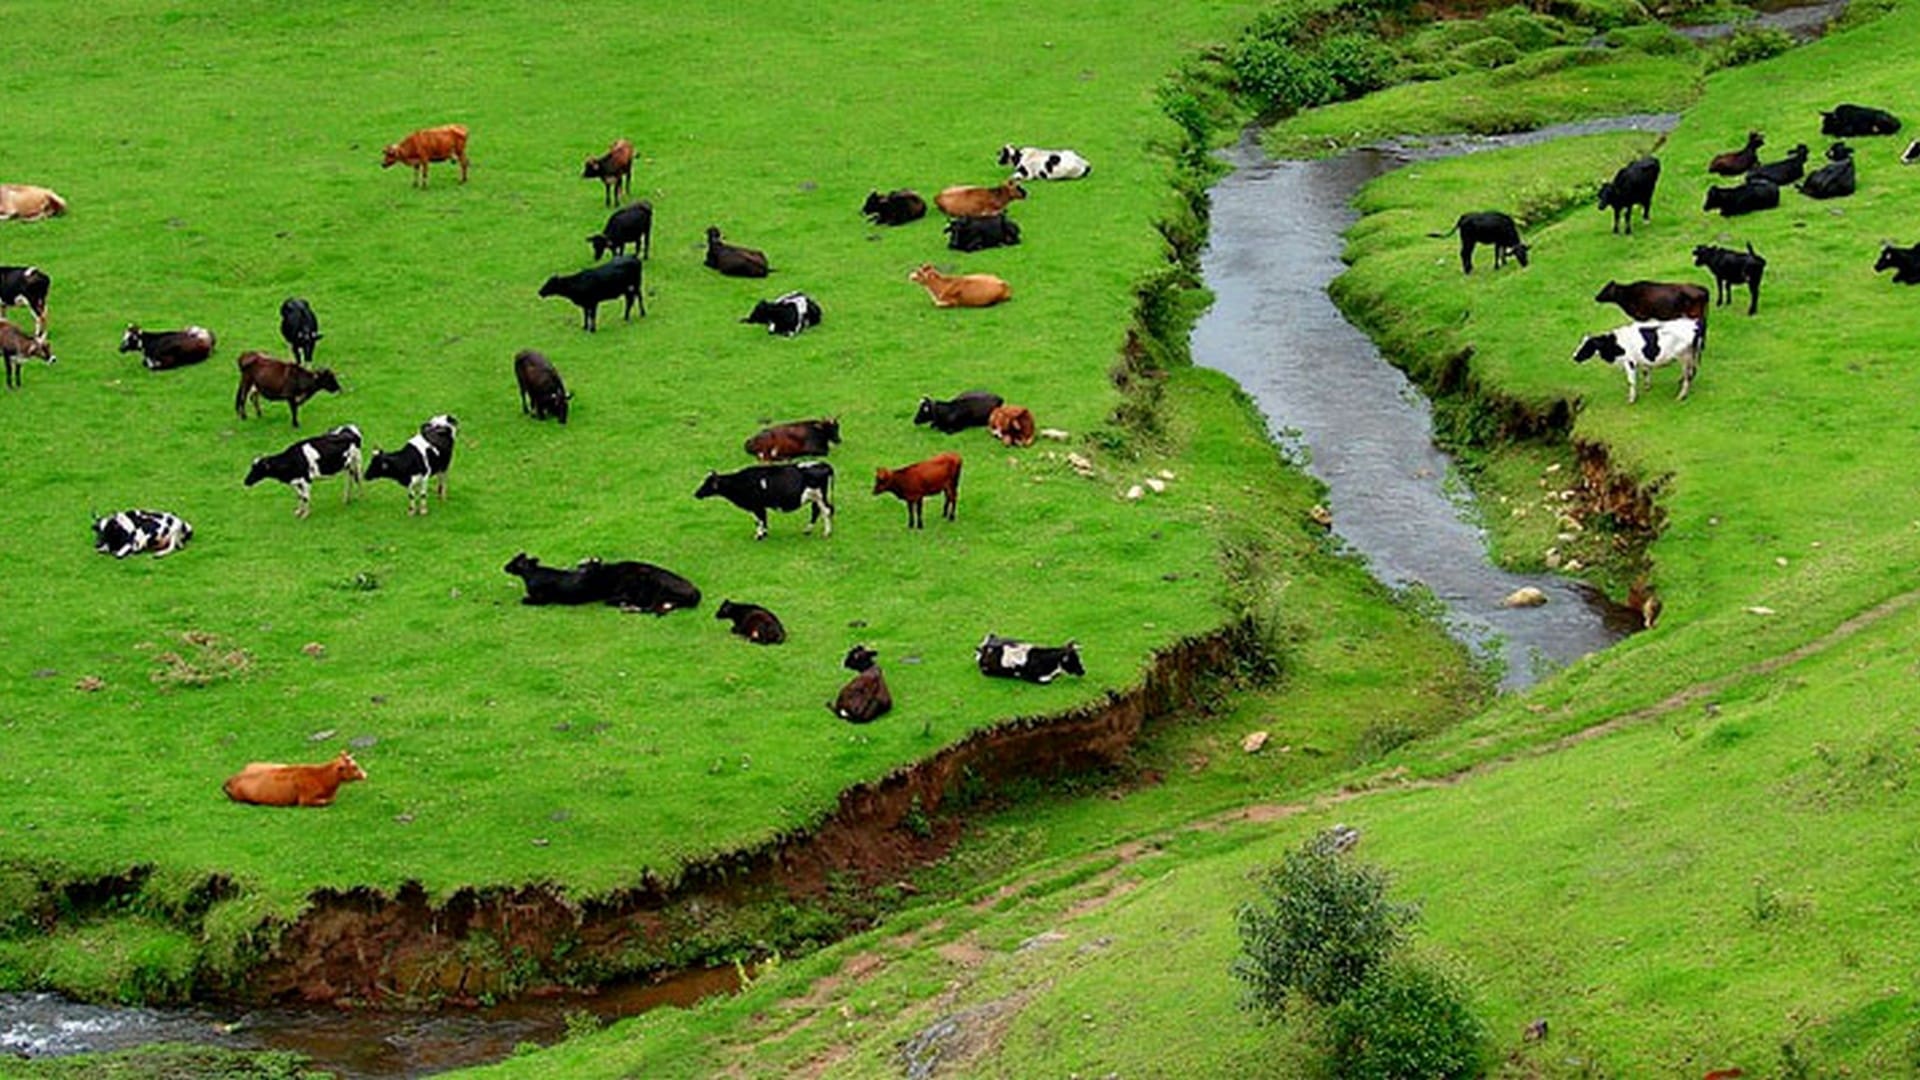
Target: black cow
[
  {"x": 588, "y": 289},
  {"x": 1755, "y": 194},
  {"x": 1732, "y": 268},
  {"x": 540, "y": 386},
  {"x": 801, "y": 438},
  {"x": 299, "y": 465},
  {"x": 1630, "y": 187},
  {"x": 865, "y": 698},
  {"x": 642, "y": 586},
  {"x": 1847, "y": 121},
  {"x": 1911, "y": 154},
  {"x": 1833, "y": 181},
  {"x": 1005, "y": 658},
  {"x": 15, "y": 344},
  {"x": 300, "y": 327},
  {"x": 26, "y": 285},
  {"x": 753, "y": 622},
  {"x": 131, "y": 532},
  {"x": 1786, "y": 171},
  {"x": 629, "y": 225},
  {"x": 425, "y": 456},
  {"x": 1487, "y": 227},
  {"x": 894, "y": 208},
  {"x": 786, "y": 315},
  {"x": 760, "y": 488},
  {"x": 733, "y": 260},
  {"x": 970, "y": 410},
  {"x": 584, "y": 584},
  {"x": 980, "y": 233},
  {"x": 163, "y": 350},
  {"x": 1904, "y": 262}
]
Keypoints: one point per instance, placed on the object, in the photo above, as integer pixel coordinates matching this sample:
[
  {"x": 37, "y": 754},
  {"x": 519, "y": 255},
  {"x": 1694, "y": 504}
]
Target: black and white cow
[
  {"x": 1643, "y": 346},
  {"x": 1755, "y": 194},
  {"x": 426, "y": 455},
  {"x": 1034, "y": 163},
  {"x": 131, "y": 532},
  {"x": 1005, "y": 658},
  {"x": 164, "y": 350},
  {"x": 1630, "y": 187},
  {"x": 26, "y": 285},
  {"x": 1487, "y": 227},
  {"x": 760, "y": 488},
  {"x": 981, "y": 233},
  {"x": 299, "y": 465},
  {"x": 300, "y": 327},
  {"x": 1846, "y": 121},
  {"x": 970, "y": 410},
  {"x": 786, "y": 315},
  {"x": 1904, "y": 262},
  {"x": 615, "y": 280},
  {"x": 1911, "y": 154}
]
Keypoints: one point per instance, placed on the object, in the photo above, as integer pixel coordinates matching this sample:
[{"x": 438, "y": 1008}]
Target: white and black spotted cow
[
  {"x": 786, "y": 315},
  {"x": 131, "y": 532},
  {"x": 425, "y": 456},
  {"x": 786, "y": 488},
  {"x": 1005, "y": 658},
  {"x": 1034, "y": 163},
  {"x": 299, "y": 465},
  {"x": 1642, "y": 346},
  {"x": 26, "y": 285}
]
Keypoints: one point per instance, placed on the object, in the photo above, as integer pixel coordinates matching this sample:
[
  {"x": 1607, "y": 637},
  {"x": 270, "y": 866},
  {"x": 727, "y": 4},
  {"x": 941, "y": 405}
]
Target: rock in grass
[
  {"x": 1253, "y": 742},
  {"x": 1525, "y": 596}
]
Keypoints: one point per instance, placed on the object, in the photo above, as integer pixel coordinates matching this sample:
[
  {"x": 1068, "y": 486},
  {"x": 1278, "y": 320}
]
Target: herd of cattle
[{"x": 1671, "y": 317}]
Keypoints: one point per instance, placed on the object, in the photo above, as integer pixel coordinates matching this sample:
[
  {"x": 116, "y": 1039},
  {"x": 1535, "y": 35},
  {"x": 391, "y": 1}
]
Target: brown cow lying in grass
[
  {"x": 445, "y": 143},
  {"x": 961, "y": 290},
  {"x": 25, "y": 202},
  {"x": 964, "y": 201},
  {"x": 266, "y": 783},
  {"x": 1012, "y": 425}
]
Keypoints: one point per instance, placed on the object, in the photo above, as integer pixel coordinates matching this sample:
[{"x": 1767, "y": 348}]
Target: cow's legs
[
  {"x": 304, "y": 490},
  {"x": 759, "y": 524},
  {"x": 443, "y": 488}
]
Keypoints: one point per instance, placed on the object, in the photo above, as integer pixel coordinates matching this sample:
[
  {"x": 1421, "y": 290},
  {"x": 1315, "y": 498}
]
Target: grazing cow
[
  {"x": 131, "y": 532},
  {"x": 1012, "y": 425},
  {"x": 1904, "y": 262},
  {"x": 588, "y": 289},
  {"x": 1847, "y": 121},
  {"x": 1737, "y": 162},
  {"x": 786, "y": 315},
  {"x": 980, "y": 233},
  {"x": 896, "y": 207},
  {"x": 261, "y": 376},
  {"x": 300, "y": 327},
  {"x": 964, "y": 201},
  {"x": 1643, "y": 346},
  {"x": 299, "y": 465},
  {"x": 25, "y": 202},
  {"x": 733, "y": 260},
  {"x": 267, "y": 783},
  {"x": 1486, "y": 227},
  {"x": 424, "y": 457},
  {"x": 428, "y": 145},
  {"x": 1005, "y": 658},
  {"x": 913, "y": 483},
  {"x": 786, "y": 488},
  {"x": 1786, "y": 171},
  {"x": 1755, "y": 194},
  {"x": 1630, "y": 187},
  {"x": 1730, "y": 268},
  {"x": 584, "y": 584},
  {"x": 642, "y": 586},
  {"x": 614, "y": 169},
  {"x": 961, "y": 290},
  {"x": 1033, "y": 163},
  {"x": 164, "y": 350},
  {"x": 1656, "y": 299},
  {"x": 1832, "y": 181},
  {"x": 26, "y": 285},
  {"x": 753, "y": 622},
  {"x": 802, "y": 438},
  {"x": 14, "y": 344},
  {"x": 540, "y": 386},
  {"x": 970, "y": 410},
  {"x": 865, "y": 698},
  {"x": 628, "y": 225}
]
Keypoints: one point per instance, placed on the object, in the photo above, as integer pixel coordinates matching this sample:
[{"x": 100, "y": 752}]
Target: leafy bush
[
  {"x": 1279, "y": 77},
  {"x": 1405, "y": 1019},
  {"x": 1358, "y": 62},
  {"x": 1320, "y": 924},
  {"x": 1599, "y": 14},
  {"x": 1654, "y": 40},
  {"x": 1748, "y": 45},
  {"x": 1488, "y": 52}
]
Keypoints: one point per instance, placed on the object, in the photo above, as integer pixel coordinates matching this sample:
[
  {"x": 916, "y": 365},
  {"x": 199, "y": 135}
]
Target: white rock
[
  {"x": 1253, "y": 742},
  {"x": 1055, "y": 434},
  {"x": 1758, "y": 610},
  {"x": 1158, "y": 485},
  {"x": 1134, "y": 493},
  {"x": 1525, "y": 596}
]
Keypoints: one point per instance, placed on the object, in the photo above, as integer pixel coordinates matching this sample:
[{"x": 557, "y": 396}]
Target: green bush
[
  {"x": 1321, "y": 923},
  {"x": 1654, "y": 40},
  {"x": 1748, "y": 45},
  {"x": 1358, "y": 62},
  {"x": 1278, "y": 77},
  {"x": 1406, "y": 1019},
  {"x": 1488, "y": 52},
  {"x": 1599, "y": 14}
]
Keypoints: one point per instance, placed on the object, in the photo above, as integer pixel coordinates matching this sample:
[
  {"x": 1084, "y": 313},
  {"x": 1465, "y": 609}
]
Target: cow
[
  {"x": 1005, "y": 658},
  {"x": 26, "y": 285},
  {"x": 619, "y": 279},
  {"x": 131, "y": 532},
  {"x": 1911, "y": 154},
  {"x": 1737, "y": 162},
  {"x": 1786, "y": 171},
  {"x": 1755, "y": 194},
  {"x": 961, "y": 290},
  {"x": 753, "y": 622},
  {"x": 164, "y": 350},
  {"x": 1847, "y": 121},
  {"x": 632, "y": 224},
  {"x": 1012, "y": 425},
  {"x": 1630, "y": 187},
  {"x": 1656, "y": 299},
  {"x": 760, "y": 488},
  {"x": 540, "y": 386},
  {"x": 15, "y": 344},
  {"x": 733, "y": 260},
  {"x": 969, "y": 410},
  {"x": 300, "y": 327},
  {"x": 1832, "y": 181},
  {"x": 415, "y": 465},
  {"x": 1033, "y": 163},
  {"x": 299, "y": 465},
  {"x": 267, "y": 783},
  {"x": 980, "y": 233},
  {"x": 614, "y": 170},
  {"x": 1904, "y": 262},
  {"x": 786, "y": 315},
  {"x": 26, "y": 202},
  {"x": 641, "y": 586},
  {"x": 801, "y": 438},
  {"x": 962, "y": 200},
  {"x": 913, "y": 483},
  {"x": 1486, "y": 227},
  {"x": 896, "y": 207},
  {"x": 420, "y": 149},
  {"x": 1643, "y": 346},
  {"x": 261, "y": 376},
  {"x": 865, "y": 698},
  {"x": 1730, "y": 268},
  {"x": 584, "y": 584}
]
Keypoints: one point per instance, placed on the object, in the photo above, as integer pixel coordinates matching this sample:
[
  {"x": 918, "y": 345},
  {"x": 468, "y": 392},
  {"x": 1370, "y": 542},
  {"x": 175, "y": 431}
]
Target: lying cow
[
  {"x": 1642, "y": 346},
  {"x": 896, "y": 207},
  {"x": 131, "y": 532},
  {"x": 961, "y": 290},
  {"x": 913, "y": 483},
  {"x": 164, "y": 350},
  {"x": 26, "y": 202},
  {"x": 16, "y": 345},
  {"x": 753, "y": 622},
  {"x": 1755, "y": 194},
  {"x": 963, "y": 200},
  {"x": 588, "y": 289},
  {"x": 969, "y": 410},
  {"x": 614, "y": 170},
  {"x": 1786, "y": 171},
  {"x": 1656, "y": 299},
  {"x": 542, "y": 392},
  {"x": 300, "y": 327},
  {"x": 802, "y": 438},
  {"x": 1730, "y": 268},
  {"x": 1012, "y": 425},
  {"x": 627, "y": 225},
  {"x": 26, "y": 285},
  {"x": 1737, "y": 162},
  {"x": 1904, "y": 262},
  {"x": 734, "y": 260},
  {"x": 262, "y": 376},
  {"x": 981, "y": 233},
  {"x": 268, "y": 783},
  {"x": 584, "y": 584},
  {"x": 865, "y": 698},
  {"x": 1835, "y": 180},
  {"x": 428, "y": 145},
  {"x": 760, "y": 488},
  {"x": 1630, "y": 187},
  {"x": 1846, "y": 121},
  {"x": 298, "y": 466},
  {"x": 1033, "y": 163},
  {"x": 641, "y": 586},
  {"x": 1487, "y": 227},
  {"x": 786, "y": 315},
  {"x": 1005, "y": 658},
  {"x": 415, "y": 465}
]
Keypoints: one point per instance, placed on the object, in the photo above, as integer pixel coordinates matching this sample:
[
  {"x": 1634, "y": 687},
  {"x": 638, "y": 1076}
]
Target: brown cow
[
  {"x": 865, "y": 698},
  {"x": 1656, "y": 299},
  {"x": 961, "y": 290},
  {"x": 913, "y": 483},
  {"x": 14, "y": 344},
  {"x": 1012, "y": 425},
  {"x": 445, "y": 143},
  {"x": 802, "y": 438},
  {"x": 1737, "y": 162},
  {"x": 266, "y": 783},
  {"x": 29, "y": 203},
  {"x": 614, "y": 170},
  {"x": 964, "y": 201},
  {"x": 261, "y": 376}
]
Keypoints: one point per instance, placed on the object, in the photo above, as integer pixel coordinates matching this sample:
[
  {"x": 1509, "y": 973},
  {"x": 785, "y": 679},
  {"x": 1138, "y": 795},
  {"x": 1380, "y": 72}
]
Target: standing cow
[
  {"x": 1630, "y": 187},
  {"x": 26, "y": 285},
  {"x": 298, "y": 466},
  {"x": 14, "y": 344},
  {"x": 760, "y": 488},
  {"x": 1487, "y": 227},
  {"x": 420, "y": 149},
  {"x": 541, "y": 392},
  {"x": 300, "y": 327},
  {"x": 614, "y": 170},
  {"x": 415, "y": 465}
]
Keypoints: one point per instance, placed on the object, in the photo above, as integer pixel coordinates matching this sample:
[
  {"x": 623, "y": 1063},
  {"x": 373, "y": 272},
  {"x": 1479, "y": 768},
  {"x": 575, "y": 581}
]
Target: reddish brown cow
[
  {"x": 614, "y": 170},
  {"x": 1737, "y": 162},
  {"x": 445, "y": 143},
  {"x": 802, "y": 438},
  {"x": 1012, "y": 425},
  {"x": 913, "y": 483},
  {"x": 964, "y": 201},
  {"x": 14, "y": 344},
  {"x": 261, "y": 376},
  {"x": 266, "y": 783},
  {"x": 961, "y": 290}
]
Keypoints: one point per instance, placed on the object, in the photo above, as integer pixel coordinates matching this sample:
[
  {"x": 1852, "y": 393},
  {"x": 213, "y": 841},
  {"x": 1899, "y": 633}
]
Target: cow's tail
[
  {"x": 1699, "y": 336},
  {"x": 1444, "y": 235}
]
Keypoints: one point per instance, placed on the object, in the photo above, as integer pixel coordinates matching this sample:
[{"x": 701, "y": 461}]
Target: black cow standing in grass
[
  {"x": 299, "y": 465},
  {"x": 1732, "y": 268},
  {"x": 541, "y": 391},
  {"x": 300, "y": 327},
  {"x": 588, "y": 289},
  {"x": 1487, "y": 227},
  {"x": 1630, "y": 187},
  {"x": 26, "y": 285},
  {"x": 629, "y": 225},
  {"x": 970, "y": 410},
  {"x": 760, "y": 488},
  {"x": 415, "y": 465}
]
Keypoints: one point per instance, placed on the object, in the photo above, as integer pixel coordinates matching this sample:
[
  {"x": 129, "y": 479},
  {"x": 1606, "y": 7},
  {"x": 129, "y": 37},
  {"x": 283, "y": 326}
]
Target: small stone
[
  {"x": 1552, "y": 558},
  {"x": 90, "y": 684},
  {"x": 541, "y": 841},
  {"x": 560, "y": 815},
  {"x": 362, "y": 742},
  {"x": 1574, "y": 566},
  {"x": 453, "y": 593},
  {"x": 378, "y": 699},
  {"x": 403, "y": 819},
  {"x": 1321, "y": 516},
  {"x": 1525, "y": 596},
  {"x": 857, "y": 624},
  {"x": 1080, "y": 462},
  {"x": 1536, "y": 1030},
  {"x": 1166, "y": 474},
  {"x": 1554, "y": 468},
  {"x": 1253, "y": 742},
  {"x": 1760, "y": 610},
  {"x": 314, "y": 649},
  {"x": 321, "y": 736},
  {"x": 1055, "y": 434},
  {"x": 1158, "y": 485},
  {"x": 44, "y": 673},
  {"x": 1134, "y": 493},
  {"x": 1780, "y": 560}
]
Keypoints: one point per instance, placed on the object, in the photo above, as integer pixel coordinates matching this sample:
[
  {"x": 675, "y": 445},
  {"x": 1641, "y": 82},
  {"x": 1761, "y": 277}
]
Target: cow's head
[
  {"x": 1014, "y": 190},
  {"x": 323, "y": 380},
  {"x": 553, "y": 286},
  {"x": 130, "y": 341},
  {"x": 829, "y": 428},
  {"x": 882, "y": 481},
  {"x": 1070, "y": 663},
  {"x": 1887, "y": 259},
  {"x": 1606, "y": 194},
  {"x": 1608, "y": 293},
  {"x": 924, "y": 274},
  {"x": 859, "y": 658},
  {"x": 763, "y": 312},
  {"x": 256, "y": 472},
  {"x": 709, "y": 487},
  {"x": 1839, "y": 152},
  {"x": 1009, "y": 154},
  {"x": 713, "y": 234},
  {"x": 873, "y": 205},
  {"x": 1716, "y": 197},
  {"x": 924, "y": 414},
  {"x": 1604, "y": 346},
  {"x": 1519, "y": 252},
  {"x": 521, "y": 565},
  {"x": 601, "y": 245},
  {"x": 348, "y": 769}
]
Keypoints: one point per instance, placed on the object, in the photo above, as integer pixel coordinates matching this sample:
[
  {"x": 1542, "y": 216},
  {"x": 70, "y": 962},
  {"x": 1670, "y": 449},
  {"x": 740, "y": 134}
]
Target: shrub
[
  {"x": 1488, "y": 52},
  {"x": 1653, "y": 40},
  {"x": 1748, "y": 45},
  {"x": 1406, "y": 1019},
  {"x": 1358, "y": 62},
  {"x": 1599, "y": 14},
  {"x": 1320, "y": 924},
  {"x": 1278, "y": 77}
]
